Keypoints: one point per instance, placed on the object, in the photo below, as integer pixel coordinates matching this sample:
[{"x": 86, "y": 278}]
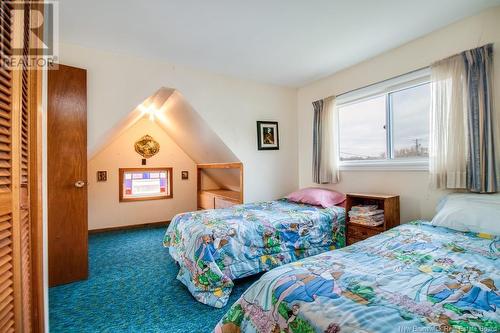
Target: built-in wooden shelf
[{"x": 219, "y": 197}]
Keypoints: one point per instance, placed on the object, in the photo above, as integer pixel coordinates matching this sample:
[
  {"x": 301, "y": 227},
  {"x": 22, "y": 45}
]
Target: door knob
[{"x": 80, "y": 184}]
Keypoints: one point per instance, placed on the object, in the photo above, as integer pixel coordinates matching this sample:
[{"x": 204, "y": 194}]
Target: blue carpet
[{"x": 132, "y": 287}]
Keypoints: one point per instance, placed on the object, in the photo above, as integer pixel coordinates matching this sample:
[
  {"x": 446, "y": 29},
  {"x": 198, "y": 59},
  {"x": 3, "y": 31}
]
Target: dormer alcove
[
  {"x": 219, "y": 195},
  {"x": 212, "y": 168}
]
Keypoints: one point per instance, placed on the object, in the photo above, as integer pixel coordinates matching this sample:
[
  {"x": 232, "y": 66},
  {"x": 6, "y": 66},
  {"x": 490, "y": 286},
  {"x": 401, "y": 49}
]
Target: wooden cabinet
[
  {"x": 224, "y": 202},
  {"x": 360, "y": 232},
  {"x": 390, "y": 205},
  {"x": 210, "y": 199},
  {"x": 206, "y": 200}
]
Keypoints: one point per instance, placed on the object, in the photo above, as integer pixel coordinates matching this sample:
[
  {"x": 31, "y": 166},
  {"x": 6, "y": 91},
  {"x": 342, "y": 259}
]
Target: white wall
[
  {"x": 105, "y": 210},
  {"x": 118, "y": 83},
  {"x": 417, "y": 199}
]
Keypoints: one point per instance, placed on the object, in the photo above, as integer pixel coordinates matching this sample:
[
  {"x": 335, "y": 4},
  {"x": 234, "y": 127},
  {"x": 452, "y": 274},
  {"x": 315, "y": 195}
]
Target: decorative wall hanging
[
  {"x": 147, "y": 146},
  {"x": 184, "y": 175},
  {"x": 267, "y": 135}
]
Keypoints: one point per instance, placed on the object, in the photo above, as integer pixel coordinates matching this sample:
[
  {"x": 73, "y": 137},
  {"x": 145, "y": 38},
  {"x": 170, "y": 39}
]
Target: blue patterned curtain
[
  {"x": 481, "y": 168},
  {"x": 317, "y": 134}
]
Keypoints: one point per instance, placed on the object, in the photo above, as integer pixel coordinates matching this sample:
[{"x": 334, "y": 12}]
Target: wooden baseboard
[{"x": 131, "y": 227}]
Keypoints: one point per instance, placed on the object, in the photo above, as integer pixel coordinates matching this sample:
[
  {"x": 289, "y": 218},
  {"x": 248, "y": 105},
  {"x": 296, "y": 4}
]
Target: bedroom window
[
  {"x": 386, "y": 125},
  {"x": 140, "y": 184}
]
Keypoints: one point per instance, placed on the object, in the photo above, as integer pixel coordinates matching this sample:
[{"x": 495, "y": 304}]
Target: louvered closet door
[
  {"x": 16, "y": 265},
  {"x": 24, "y": 202},
  {"x": 7, "y": 313}
]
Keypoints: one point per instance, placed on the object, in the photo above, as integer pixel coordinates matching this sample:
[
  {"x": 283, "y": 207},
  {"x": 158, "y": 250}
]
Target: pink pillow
[{"x": 317, "y": 197}]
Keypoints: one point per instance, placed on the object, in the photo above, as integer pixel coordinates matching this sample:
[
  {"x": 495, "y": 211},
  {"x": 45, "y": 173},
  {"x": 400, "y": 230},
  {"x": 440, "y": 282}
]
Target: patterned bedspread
[
  {"x": 414, "y": 278},
  {"x": 214, "y": 247}
]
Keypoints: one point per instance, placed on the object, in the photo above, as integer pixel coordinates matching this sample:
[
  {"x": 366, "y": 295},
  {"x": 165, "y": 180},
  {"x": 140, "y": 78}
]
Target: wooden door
[{"x": 67, "y": 174}]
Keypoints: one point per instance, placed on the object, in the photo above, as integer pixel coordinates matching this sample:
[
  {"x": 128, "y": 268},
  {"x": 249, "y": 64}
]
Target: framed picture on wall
[
  {"x": 102, "y": 176},
  {"x": 268, "y": 135}
]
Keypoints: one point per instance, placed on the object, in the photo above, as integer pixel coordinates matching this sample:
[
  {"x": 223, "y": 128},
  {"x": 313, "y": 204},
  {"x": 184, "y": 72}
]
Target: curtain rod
[{"x": 391, "y": 78}]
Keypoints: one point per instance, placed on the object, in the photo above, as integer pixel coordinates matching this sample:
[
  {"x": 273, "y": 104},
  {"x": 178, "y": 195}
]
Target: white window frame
[{"x": 385, "y": 88}]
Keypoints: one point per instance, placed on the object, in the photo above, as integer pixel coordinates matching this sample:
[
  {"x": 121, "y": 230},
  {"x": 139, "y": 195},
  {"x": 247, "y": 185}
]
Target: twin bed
[
  {"x": 413, "y": 278},
  {"x": 215, "y": 247},
  {"x": 417, "y": 277}
]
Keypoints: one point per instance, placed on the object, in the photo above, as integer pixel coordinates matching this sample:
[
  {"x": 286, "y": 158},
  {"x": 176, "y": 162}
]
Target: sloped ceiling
[
  {"x": 190, "y": 131},
  {"x": 173, "y": 113},
  {"x": 155, "y": 101}
]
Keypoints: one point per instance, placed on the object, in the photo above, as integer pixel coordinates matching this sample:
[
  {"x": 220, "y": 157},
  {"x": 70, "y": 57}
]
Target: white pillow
[{"x": 469, "y": 212}]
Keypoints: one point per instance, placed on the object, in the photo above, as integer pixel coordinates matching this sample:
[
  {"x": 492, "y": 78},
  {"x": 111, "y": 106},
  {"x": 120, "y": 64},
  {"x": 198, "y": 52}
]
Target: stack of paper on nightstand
[{"x": 368, "y": 215}]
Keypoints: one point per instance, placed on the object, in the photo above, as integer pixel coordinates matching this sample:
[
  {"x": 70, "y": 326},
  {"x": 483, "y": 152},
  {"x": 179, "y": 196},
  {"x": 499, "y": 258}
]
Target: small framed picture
[
  {"x": 184, "y": 175},
  {"x": 102, "y": 176},
  {"x": 268, "y": 135}
]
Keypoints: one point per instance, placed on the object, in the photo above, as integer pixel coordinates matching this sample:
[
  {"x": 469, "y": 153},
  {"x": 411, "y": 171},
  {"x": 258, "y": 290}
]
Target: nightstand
[{"x": 358, "y": 232}]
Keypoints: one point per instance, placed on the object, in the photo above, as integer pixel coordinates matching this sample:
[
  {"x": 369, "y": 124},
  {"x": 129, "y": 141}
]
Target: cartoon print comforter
[
  {"x": 214, "y": 247},
  {"x": 414, "y": 278}
]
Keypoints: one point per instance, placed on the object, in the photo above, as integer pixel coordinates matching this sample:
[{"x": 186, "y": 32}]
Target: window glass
[
  {"x": 362, "y": 130},
  {"x": 145, "y": 184},
  {"x": 410, "y": 126},
  {"x": 386, "y": 121}
]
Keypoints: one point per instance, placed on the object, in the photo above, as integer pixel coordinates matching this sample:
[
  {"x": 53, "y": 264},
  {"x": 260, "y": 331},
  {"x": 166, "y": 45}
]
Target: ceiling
[{"x": 284, "y": 42}]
